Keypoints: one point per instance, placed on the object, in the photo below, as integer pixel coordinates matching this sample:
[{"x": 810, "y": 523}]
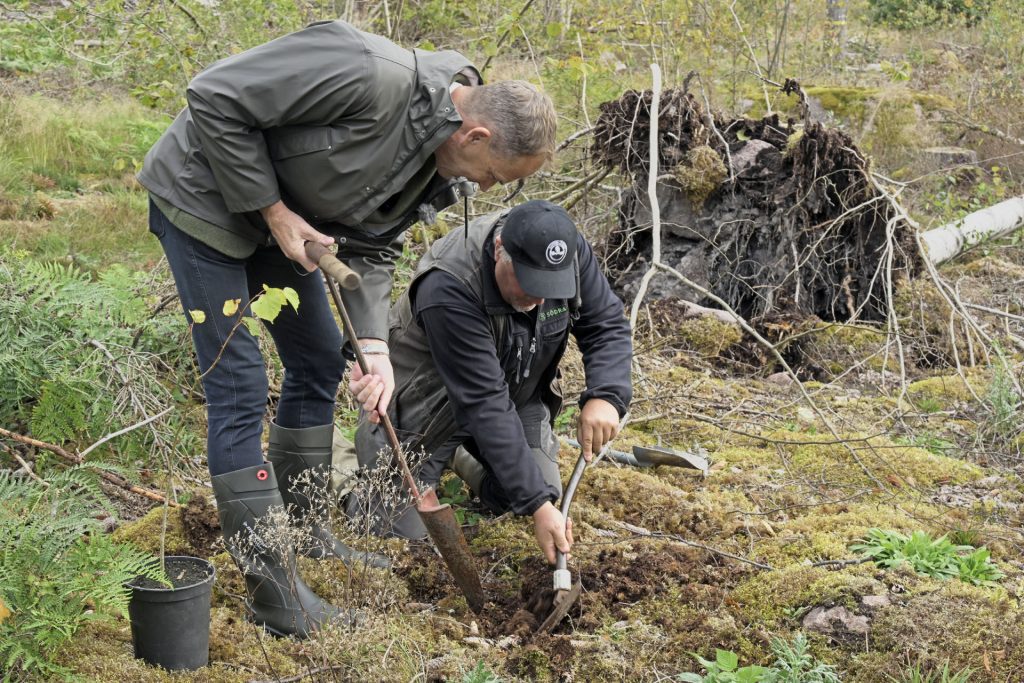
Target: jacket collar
[{"x": 494, "y": 304}]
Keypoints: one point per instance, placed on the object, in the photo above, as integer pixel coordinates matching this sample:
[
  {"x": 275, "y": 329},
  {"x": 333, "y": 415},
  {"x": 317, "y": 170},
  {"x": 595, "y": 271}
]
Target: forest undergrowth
[{"x": 861, "y": 519}]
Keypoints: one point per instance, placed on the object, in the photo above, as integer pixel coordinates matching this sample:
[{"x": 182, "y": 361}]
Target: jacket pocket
[{"x": 288, "y": 143}]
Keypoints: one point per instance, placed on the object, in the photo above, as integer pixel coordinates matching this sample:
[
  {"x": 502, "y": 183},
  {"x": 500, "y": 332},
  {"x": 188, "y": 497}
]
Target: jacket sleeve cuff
[
  {"x": 606, "y": 395},
  {"x": 531, "y": 505},
  {"x": 241, "y": 206}
]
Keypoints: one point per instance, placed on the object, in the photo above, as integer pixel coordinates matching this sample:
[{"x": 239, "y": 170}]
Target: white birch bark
[{"x": 945, "y": 242}]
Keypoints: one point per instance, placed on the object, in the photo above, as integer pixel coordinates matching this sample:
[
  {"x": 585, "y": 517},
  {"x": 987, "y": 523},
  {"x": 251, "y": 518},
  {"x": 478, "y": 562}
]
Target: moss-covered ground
[{"x": 923, "y": 435}]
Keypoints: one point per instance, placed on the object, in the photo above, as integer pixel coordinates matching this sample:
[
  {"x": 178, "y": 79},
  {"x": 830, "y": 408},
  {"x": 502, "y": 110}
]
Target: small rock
[
  {"x": 419, "y": 607},
  {"x": 474, "y": 628},
  {"x": 482, "y": 643},
  {"x": 873, "y": 602},
  {"x": 783, "y": 379},
  {"x": 505, "y": 642},
  {"x": 746, "y": 157},
  {"x": 838, "y": 622},
  {"x": 805, "y": 415}
]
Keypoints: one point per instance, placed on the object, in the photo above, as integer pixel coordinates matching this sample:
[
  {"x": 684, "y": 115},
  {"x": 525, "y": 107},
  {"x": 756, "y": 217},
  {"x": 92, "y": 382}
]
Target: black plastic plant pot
[{"x": 171, "y": 626}]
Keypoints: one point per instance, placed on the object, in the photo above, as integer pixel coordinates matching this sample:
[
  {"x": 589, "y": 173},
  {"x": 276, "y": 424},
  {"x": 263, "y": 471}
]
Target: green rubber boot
[
  {"x": 293, "y": 452},
  {"x": 279, "y": 600}
]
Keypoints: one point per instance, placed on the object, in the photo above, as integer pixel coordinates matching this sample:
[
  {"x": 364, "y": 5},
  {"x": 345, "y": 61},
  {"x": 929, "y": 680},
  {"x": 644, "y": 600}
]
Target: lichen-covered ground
[{"x": 673, "y": 563}]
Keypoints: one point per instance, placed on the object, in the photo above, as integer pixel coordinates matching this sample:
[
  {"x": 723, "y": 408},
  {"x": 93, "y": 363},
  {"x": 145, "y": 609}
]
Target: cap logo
[{"x": 556, "y": 252}]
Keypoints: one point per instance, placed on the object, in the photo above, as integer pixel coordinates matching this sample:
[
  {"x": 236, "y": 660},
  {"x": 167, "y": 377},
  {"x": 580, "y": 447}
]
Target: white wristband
[{"x": 374, "y": 348}]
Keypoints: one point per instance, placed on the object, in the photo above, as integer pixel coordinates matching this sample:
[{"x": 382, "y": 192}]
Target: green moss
[
  {"x": 708, "y": 336},
  {"x": 700, "y": 174},
  {"x": 145, "y": 532},
  {"x": 826, "y": 532},
  {"x": 773, "y": 598},
  {"x": 838, "y": 348},
  {"x": 844, "y": 102},
  {"x": 699, "y": 513},
  {"x": 511, "y": 539},
  {"x": 945, "y": 390}
]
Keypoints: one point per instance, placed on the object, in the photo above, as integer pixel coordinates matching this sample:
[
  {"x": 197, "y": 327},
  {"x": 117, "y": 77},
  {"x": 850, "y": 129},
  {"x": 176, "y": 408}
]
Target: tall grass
[
  {"x": 67, "y": 189},
  {"x": 71, "y": 144}
]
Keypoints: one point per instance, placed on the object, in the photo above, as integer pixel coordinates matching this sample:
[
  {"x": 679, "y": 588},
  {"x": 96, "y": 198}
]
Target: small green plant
[
  {"x": 1005, "y": 405},
  {"x": 939, "y": 558},
  {"x": 481, "y": 674},
  {"x": 794, "y": 664},
  {"x": 566, "y": 420},
  {"x": 453, "y": 492},
  {"x": 725, "y": 669},
  {"x": 916, "y": 674},
  {"x": 977, "y": 569},
  {"x": 58, "y": 569}
]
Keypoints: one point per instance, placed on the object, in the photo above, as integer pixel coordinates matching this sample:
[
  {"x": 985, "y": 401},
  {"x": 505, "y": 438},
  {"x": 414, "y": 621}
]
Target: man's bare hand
[
  {"x": 598, "y": 424},
  {"x": 373, "y": 391},
  {"x": 552, "y": 531},
  {"x": 292, "y": 232}
]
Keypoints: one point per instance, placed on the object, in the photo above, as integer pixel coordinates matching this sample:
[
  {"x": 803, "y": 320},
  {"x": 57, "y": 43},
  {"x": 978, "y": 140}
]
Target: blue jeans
[{"x": 308, "y": 342}]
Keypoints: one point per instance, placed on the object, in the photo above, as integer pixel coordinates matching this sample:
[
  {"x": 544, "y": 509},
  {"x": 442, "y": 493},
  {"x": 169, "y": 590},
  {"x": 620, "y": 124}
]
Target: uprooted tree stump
[{"x": 777, "y": 218}]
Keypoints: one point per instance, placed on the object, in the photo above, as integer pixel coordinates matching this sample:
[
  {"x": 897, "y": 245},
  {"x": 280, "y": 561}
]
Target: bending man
[{"x": 326, "y": 135}]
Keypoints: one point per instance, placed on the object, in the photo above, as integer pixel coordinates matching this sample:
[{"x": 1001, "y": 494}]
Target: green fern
[
  {"x": 58, "y": 570},
  {"x": 55, "y": 376},
  {"x": 59, "y": 415}
]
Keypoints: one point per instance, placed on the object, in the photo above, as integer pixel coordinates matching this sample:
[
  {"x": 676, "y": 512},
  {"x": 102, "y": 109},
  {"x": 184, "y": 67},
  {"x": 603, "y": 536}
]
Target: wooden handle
[{"x": 329, "y": 263}]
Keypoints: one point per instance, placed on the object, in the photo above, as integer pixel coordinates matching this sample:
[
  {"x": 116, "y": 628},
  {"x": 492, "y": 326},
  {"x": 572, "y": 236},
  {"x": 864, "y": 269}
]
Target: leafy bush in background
[
  {"x": 917, "y": 13},
  {"x": 58, "y": 570}
]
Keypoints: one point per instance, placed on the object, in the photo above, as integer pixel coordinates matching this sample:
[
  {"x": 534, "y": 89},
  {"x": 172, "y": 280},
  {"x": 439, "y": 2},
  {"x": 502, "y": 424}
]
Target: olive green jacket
[{"x": 335, "y": 122}]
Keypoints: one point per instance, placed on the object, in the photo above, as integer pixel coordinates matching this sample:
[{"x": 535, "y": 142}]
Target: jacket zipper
[
  {"x": 529, "y": 358},
  {"x": 519, "y": 361}
]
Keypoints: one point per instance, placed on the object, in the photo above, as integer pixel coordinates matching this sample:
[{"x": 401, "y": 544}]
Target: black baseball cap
[{"x": 540, "y": 237}]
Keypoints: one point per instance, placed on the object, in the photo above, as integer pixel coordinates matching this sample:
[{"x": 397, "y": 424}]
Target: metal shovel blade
[
  {"x": 562, "y": 602},
  {"x": 649, "y": 456},
  {"x": 446, "y": 534}
]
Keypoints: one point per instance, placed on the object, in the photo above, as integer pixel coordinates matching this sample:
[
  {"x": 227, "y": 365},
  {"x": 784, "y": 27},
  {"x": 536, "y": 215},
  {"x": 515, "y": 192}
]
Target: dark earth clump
[
  {"x": 201, "y": 526},
  {"x": 777, "y": 218}
]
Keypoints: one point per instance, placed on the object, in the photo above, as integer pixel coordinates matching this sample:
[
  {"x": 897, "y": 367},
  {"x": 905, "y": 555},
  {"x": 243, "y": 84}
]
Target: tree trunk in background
[
  {"x": 836, "y": 26},
  {"x": 945, "y": 242}
]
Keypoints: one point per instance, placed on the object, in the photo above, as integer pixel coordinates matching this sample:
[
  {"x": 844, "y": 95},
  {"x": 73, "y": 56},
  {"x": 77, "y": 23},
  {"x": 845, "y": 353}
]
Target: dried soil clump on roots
[{"x": 795, "y": 228}]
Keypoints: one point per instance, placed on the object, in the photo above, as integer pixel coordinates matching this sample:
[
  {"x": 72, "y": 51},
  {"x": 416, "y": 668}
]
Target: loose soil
[
  {"x": 181, "y": 571},
  {"x": 201, "y": 526}
]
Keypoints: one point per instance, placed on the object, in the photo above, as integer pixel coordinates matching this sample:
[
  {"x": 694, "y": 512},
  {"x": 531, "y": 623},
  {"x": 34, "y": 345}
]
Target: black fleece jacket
[{"x": 486, "y": 392}]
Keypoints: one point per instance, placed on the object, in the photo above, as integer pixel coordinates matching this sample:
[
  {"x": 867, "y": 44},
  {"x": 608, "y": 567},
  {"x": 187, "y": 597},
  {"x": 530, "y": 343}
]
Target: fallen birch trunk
[{"x": 947, "y": 241}]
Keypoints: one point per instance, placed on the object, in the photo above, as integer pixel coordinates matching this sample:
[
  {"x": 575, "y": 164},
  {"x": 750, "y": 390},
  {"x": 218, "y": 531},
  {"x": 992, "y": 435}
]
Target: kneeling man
[{"x": 475, "y": 342}]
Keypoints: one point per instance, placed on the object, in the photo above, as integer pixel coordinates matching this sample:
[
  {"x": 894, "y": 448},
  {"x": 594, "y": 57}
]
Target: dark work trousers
[
  {"x": 308, "y": 342},
  {"x": 397, "y": 517}
]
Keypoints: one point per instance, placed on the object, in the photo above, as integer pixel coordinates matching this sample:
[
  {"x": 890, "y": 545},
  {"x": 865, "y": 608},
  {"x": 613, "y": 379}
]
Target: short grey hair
[
  {"x": 499, "y": 249},
  {"x": 521, "y": 118}
]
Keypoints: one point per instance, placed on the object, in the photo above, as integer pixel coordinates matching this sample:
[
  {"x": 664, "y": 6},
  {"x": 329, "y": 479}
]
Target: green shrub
[
  {"x": 917, "y": 13},
  {"x": 793, "y": 664},
  {"x": 58, "y": 569},
  {"x": 938, "y": 558},
  {"x": 58, "y": 376}
]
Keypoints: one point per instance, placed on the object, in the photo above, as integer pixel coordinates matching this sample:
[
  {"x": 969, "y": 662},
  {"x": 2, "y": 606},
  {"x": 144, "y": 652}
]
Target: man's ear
[
  {"x": 477, "y": 134},
  {"x": 497, "y": 248}
]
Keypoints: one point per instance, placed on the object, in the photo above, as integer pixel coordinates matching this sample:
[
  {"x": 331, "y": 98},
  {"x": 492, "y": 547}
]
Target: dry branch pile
[{"x": 775, "y": 217}]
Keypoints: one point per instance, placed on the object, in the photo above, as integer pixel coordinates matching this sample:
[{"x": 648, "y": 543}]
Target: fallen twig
[
  {"x": 640, "y": 531},
  {"x": 76, "y": 459}
]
